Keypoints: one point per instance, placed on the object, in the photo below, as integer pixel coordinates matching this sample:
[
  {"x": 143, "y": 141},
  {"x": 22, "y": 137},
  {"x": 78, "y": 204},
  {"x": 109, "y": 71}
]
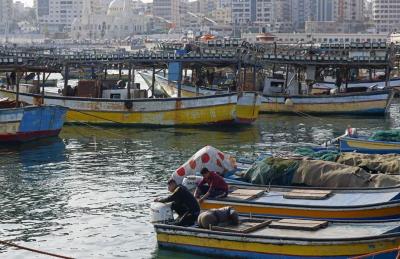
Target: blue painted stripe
[{"x": 235, "y": 253}]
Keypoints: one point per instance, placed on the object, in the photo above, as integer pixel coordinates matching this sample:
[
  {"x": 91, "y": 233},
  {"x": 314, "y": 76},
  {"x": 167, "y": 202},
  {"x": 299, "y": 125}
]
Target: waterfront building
[
  {"x": 172, "y": 12},
  {"x": 5, "y": 15},
  {"x": 222, "y": 15},
  {"x": 386, "y": 15},
  {"x": 118, "y": 21},
  {"x": 58, "y": 15},
  {"x": 318, "y": 38}
]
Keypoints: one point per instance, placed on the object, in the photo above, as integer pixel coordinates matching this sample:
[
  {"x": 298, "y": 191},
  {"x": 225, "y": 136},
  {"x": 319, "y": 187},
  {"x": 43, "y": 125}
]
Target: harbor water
[{"x": 87, "y": 193}]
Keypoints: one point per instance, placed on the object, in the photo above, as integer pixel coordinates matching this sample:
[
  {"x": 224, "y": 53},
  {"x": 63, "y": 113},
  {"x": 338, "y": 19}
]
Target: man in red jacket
[{"x": 216, "y": 186}]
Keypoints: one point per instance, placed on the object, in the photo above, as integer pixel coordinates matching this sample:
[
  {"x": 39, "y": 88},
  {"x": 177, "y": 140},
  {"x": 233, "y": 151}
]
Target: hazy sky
[{"x": 30, "y": 2}]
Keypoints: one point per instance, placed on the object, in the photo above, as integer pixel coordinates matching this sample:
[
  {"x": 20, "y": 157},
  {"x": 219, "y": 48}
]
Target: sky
[{"x": 30, "y": 2}]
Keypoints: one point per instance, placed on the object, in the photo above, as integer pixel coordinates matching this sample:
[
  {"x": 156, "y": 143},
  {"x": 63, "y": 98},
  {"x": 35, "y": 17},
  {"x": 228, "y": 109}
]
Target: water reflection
[{"x": 88, "y": 193}]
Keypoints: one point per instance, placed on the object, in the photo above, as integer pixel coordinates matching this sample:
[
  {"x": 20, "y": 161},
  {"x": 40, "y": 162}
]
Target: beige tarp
[
  {"x": 386, "y": 164},
  {"x": 330, "y": 174}
]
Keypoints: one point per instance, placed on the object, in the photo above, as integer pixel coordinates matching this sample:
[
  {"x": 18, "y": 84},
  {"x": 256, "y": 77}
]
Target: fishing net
[
  {"x": 271, "y": 170},
  {"x": 315, "y": 173},
  {"x": 386, "y": 164},
  {"x": 326, "y": 155},
  {"x": 386, "y": 135}
]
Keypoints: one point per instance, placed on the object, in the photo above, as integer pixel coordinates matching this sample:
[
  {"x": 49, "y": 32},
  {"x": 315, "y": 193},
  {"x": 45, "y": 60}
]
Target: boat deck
[{"x": 336, "y": 199}]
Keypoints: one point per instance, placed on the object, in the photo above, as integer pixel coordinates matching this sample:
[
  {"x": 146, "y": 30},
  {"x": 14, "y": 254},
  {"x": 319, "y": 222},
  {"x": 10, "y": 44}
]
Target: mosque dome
[{"x": 116, "y": 7}]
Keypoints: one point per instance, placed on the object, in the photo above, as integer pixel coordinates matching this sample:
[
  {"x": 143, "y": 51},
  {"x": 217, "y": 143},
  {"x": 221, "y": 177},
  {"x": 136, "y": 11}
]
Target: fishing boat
[
  {"x": 358, "y": 103},
  {"x": 111, "y": 106},
  {"x": 320, "y": 87},
  {"x": 365, "y": 103},
  {"x": 285, "y": 238},
  {"x": 364, "y": 145},
  {"x": 30, "y": 122},
  {"x": 170, "y": 88},
  {"x": 320, "y": 203},
  {"x": 381, "y": 142}
]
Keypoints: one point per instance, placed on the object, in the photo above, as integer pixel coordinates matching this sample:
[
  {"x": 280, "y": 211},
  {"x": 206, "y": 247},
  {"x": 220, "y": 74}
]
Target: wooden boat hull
[
  {"x": 252, "y": 246},
  {"x": 28, "y": 123},
  {"x": 229, "y": 108},
  {"x": 368, "y": 103},
  {"x": 368, "y": 146},
  {"x": 341, "y": 204}
]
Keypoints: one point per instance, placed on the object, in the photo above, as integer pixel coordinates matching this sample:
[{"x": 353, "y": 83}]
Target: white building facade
[
  {"x": 118, "y": 21},
  {"x": 386, "y": 15},
  {"x": 5, "y": 15},
  {"x": 58, "y": 15}
]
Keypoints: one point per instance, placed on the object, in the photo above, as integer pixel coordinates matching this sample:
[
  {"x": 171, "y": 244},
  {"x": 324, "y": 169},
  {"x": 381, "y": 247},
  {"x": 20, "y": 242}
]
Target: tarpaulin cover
[
  {"x": 385, "y": 164},
  {"x": 209, "y": 157},
  {"x": 315, "y": 173}
]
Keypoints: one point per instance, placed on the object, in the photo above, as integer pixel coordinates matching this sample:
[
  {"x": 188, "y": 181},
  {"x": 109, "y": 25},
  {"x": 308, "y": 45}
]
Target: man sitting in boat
[
  {"x": 183, "y": 203},
  {"x": 216, "y": 186}
]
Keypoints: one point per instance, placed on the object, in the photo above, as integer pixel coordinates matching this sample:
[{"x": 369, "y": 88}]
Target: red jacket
[{"x": 215, "y": 182}]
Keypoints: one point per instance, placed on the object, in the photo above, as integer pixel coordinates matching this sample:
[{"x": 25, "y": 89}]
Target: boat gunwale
[
  {"x": 379, "y": 92},
  {"x": 382, "y": 205},
  {"x": 191, "y": 231},
  {"x": 170, "y": 99},
  {"x": 31, "y": 107},
  {"x": 366, "y": 140}
]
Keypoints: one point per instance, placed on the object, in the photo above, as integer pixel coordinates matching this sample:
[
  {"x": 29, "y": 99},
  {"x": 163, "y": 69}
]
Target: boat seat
[
  {"x": 299, "y": 224},
  {"x": 245, "y": 226},
  {"x": 244, "y": 194},
  {"x": 308, "y": 194}
]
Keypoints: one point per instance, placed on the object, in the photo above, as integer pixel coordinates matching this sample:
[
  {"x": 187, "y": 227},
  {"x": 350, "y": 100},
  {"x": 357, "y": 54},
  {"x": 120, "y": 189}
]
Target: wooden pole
[
  {"x": 153, "y": 81},
  {"x": 286, "y": 77},
  {"x": 43, "y": 82},
  {"x": 244, "y": 77},
  {"x": 17, "y": 90},
  {"x": 129, "y": 81},
  {"x": 105, "y": 72},
  {"x": 254, "y": 78},
  {"x": 238, "y": 75},
  {"x": 347, "y": 79},
  {"x": 66, "y": 77},
  {"x": 387, "y": 77},
  {"x": 120, "y": 71},
  {"x": 180, "y": 82}
]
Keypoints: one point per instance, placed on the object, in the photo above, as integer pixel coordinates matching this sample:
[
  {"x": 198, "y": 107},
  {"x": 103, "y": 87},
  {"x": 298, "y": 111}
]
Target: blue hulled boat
[{"x": 31, "y": 122}]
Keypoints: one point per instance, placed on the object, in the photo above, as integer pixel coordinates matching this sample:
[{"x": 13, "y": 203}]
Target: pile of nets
[
  {"x": 376, "y": 164},
  {"x": 326, "y": 155},
  {"x": 386, "y": 135},
  {"x": 372, "y": 163},
  {"x": 271, "y": 170},
  {"x": 315, "y": 173}
]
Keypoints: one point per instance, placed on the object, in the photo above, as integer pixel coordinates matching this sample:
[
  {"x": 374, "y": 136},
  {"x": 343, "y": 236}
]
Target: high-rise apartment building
[
  {"x": 350, "y": 10},
  {"x": 5, "y": 15},
  {"x": 386, "y": 15},
  {"x": 58, "y": 15},
  {"x": 172, "y": 11},
  {"x": 252, "y": 12}
]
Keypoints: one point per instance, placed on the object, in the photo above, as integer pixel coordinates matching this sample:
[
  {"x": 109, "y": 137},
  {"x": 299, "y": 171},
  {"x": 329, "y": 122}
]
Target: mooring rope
[{"x": 7, "y": 243}]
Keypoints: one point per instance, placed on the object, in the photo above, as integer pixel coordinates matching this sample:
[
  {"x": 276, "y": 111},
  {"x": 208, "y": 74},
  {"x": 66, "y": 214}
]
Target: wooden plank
[
  {"x": 308, "y": 194},
  {"x": 245, "y": 194},
  {"x": 298, "y": 224},
  {"x": 245, "y": 226}
]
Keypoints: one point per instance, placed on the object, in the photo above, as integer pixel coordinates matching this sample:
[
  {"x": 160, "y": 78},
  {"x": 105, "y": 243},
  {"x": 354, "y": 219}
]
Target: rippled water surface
[{"x": 87, "y": 194}]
